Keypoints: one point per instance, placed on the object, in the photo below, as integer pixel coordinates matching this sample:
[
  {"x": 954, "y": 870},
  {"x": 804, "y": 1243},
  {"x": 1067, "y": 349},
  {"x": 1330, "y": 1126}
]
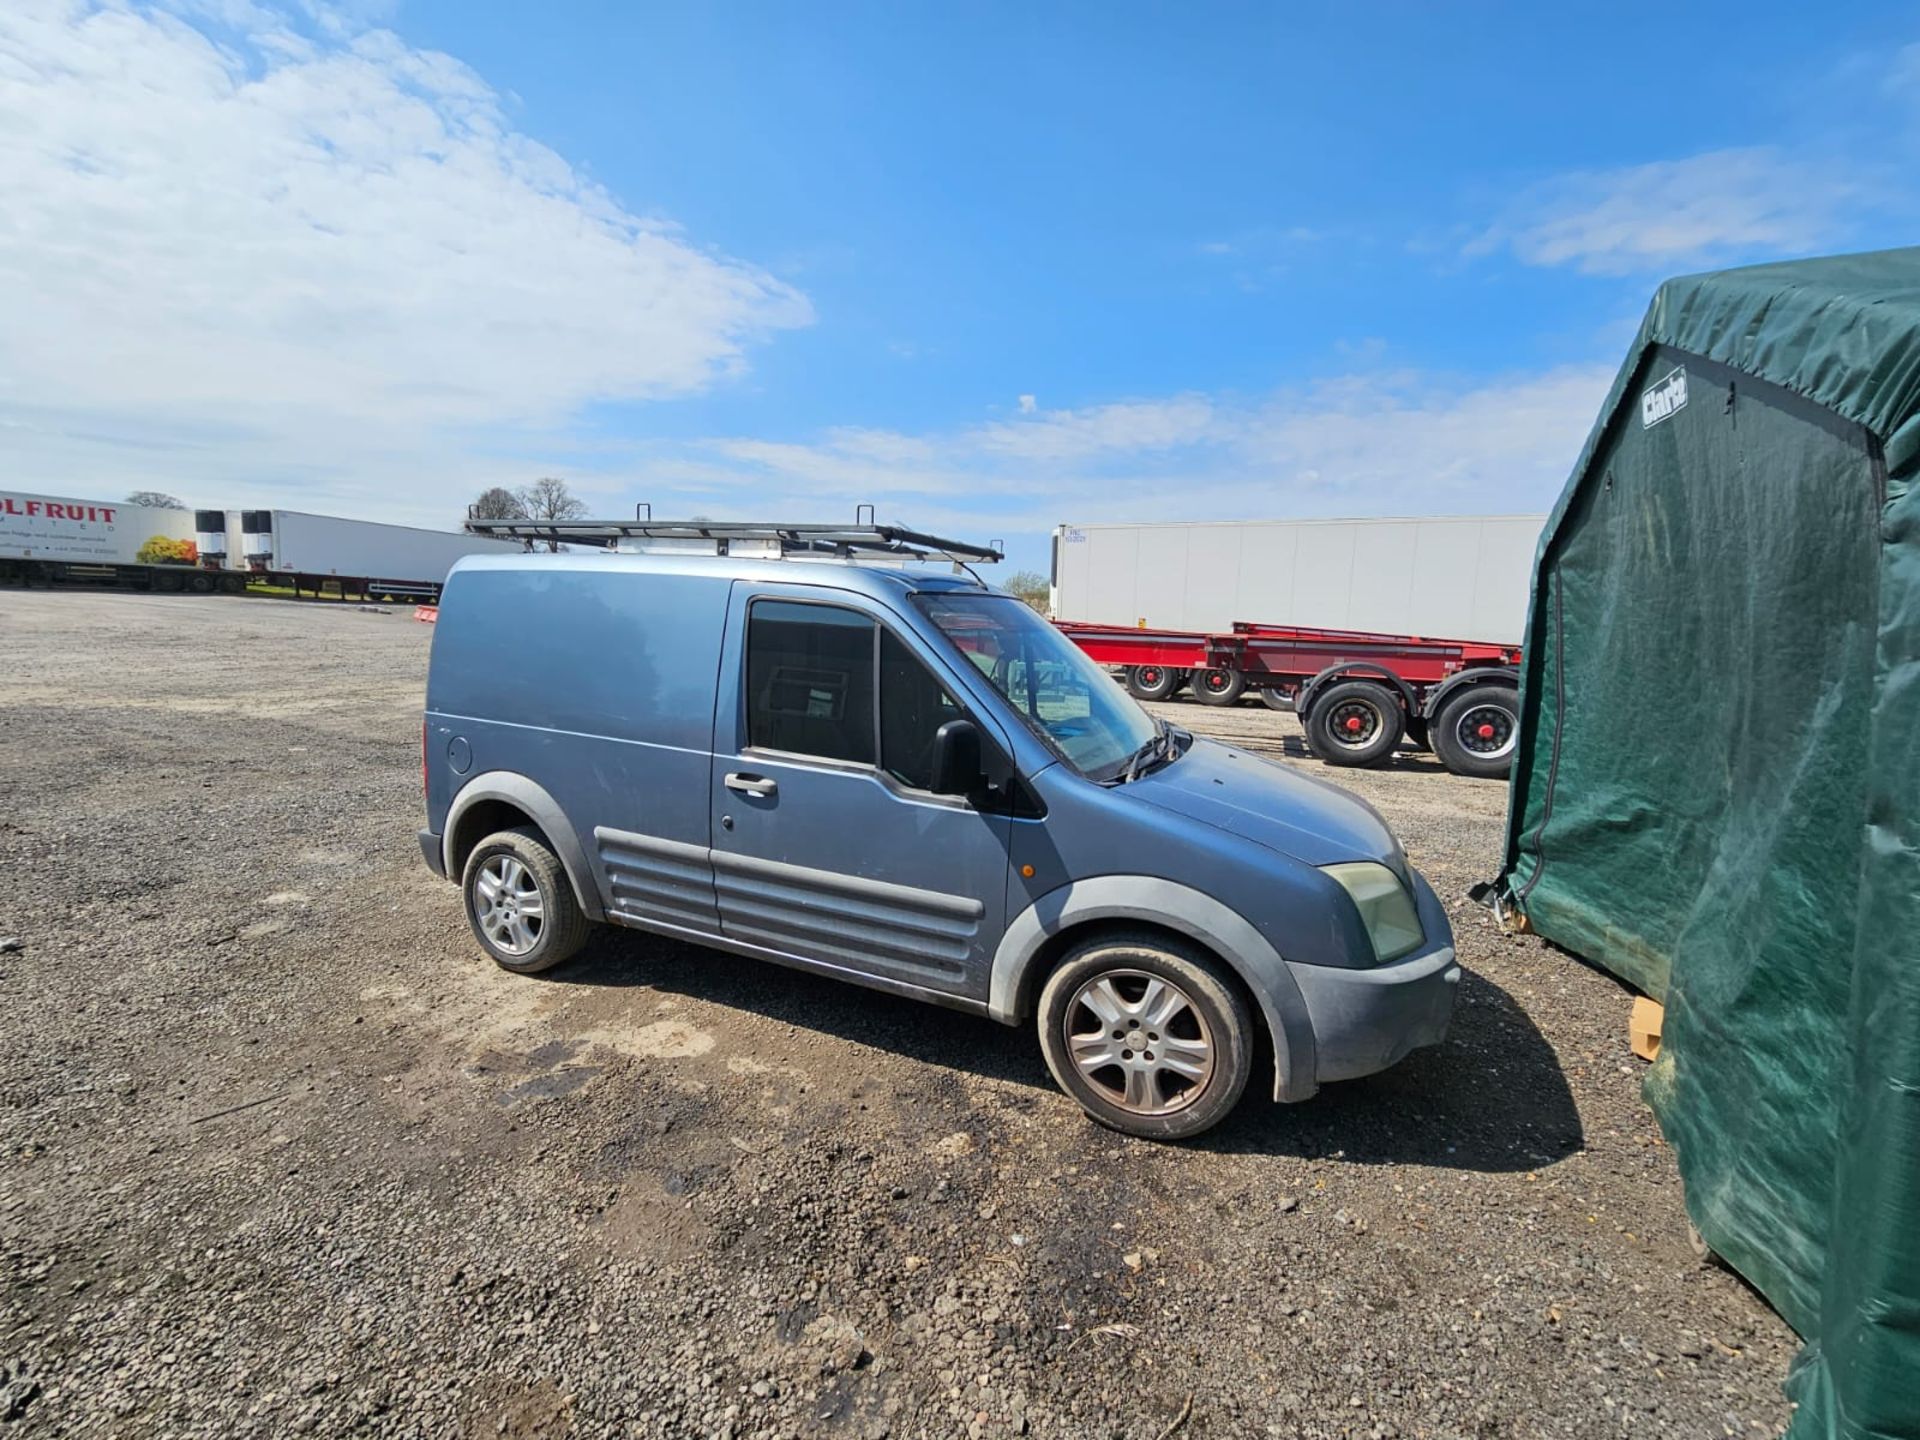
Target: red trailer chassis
[{"x": 1358, "y": 693}]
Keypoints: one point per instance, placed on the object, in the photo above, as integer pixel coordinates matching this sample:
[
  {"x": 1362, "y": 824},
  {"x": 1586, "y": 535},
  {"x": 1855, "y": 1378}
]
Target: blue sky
[{"x": 993, "y": 267}]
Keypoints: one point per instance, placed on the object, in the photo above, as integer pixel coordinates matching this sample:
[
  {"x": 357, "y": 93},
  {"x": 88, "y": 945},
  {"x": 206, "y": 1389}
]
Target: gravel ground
[{"x": 284, "y": 1155}]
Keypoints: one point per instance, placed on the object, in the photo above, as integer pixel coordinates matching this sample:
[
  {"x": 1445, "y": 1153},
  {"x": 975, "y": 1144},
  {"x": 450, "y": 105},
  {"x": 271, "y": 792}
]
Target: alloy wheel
[
  {"x": 1139, "y": 1041},
  {"x": 509, "y": 905}
]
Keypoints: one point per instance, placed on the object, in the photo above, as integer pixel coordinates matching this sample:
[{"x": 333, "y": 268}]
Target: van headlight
[{"x": 1386, "y": 909}]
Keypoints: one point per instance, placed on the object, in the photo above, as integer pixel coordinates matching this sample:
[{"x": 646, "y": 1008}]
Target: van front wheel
[
  {"x": 520, "y": 903},
  {"x": 1146, "y": 1035}
]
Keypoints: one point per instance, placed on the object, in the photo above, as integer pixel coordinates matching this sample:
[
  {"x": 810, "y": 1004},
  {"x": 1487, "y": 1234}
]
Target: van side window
[
  {"x": 810, "y": 673},
  {"x": 912, "y": 706}
]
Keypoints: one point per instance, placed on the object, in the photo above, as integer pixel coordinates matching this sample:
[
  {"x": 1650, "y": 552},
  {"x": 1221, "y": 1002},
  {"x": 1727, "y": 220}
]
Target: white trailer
[
  {"x": 57, "y": 539},
  {"x": 58, "y": 527},
  {"x": 309, "y": 551},
  {"x": 1461, "y": 577}
]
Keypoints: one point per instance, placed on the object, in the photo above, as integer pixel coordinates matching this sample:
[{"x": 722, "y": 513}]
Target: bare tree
[
  {"x": 549, "y": 498},
  {"x": 158, "y": 499},
  {"x": 1030, "y": 586},
  {"x": 498, "y": 503}
]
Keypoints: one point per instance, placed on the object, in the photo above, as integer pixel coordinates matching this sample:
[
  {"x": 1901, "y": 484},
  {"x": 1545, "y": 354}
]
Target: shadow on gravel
[
  {"x": 910, "y": 1028},
  {"x": 1492, "y": 1097},
  {"x": 1294, "y": 747}
]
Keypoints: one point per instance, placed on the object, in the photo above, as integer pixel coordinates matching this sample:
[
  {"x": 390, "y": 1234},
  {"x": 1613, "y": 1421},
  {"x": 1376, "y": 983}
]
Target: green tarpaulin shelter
[{"x": 1717, "y": 791}]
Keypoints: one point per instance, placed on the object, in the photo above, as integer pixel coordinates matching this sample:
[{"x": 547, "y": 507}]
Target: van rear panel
[{"x": 598, "y": 685}]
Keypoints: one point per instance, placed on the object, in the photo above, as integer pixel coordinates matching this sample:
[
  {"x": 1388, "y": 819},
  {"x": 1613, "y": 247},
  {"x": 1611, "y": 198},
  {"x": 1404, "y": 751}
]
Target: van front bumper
[
  {"x": 1365, "y": 1020},
  {"x": 434, "y": 853}
]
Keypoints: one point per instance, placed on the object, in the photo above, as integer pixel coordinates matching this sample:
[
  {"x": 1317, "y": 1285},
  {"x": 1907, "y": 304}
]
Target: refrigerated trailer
[
  {"x": 1446, "y": 575},
  {"x": 52, "y": 539},
  {"x": 1358, "y": 693},
  {"x": 364, "y": 557},
  {"x": 59, "y": 540}
]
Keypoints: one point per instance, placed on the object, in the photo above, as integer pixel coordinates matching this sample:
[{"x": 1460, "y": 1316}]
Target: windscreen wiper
[{"x": 1160, "y": 745}]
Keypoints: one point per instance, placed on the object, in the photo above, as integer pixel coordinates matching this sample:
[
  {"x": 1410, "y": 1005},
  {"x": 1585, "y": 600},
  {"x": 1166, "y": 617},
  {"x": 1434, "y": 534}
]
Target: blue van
[{"x": 908, "y": 779}]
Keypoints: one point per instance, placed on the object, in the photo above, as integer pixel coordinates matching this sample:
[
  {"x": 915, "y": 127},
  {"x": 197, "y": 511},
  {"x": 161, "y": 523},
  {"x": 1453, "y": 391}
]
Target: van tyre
[
  {"x": 520, "y": 902},
  {"x": 1148, "y": 1035},
  {"x": 1357, "y": 722},
  {"x": 1153, "y": 682},
  {"x": 1477, "y": 731},
  {"x": 1218, "y": 687}
]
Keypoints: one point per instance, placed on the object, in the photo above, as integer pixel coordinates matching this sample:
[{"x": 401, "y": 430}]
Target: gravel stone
[{"x": 284, "y": 1155}]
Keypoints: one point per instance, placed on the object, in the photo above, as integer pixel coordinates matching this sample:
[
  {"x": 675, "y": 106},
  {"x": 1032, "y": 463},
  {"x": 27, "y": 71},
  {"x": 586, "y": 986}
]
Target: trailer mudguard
[
  {"x": 1479, "y": 675},
  {"x": 1350, "y": 670}
]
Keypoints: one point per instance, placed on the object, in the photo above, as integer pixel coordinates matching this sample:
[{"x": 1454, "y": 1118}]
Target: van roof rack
[{"x": 846, "y": 541}]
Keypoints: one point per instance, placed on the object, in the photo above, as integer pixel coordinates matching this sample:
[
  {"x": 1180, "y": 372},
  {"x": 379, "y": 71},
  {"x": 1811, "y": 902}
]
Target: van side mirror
[{"x": 956, "y": 759}]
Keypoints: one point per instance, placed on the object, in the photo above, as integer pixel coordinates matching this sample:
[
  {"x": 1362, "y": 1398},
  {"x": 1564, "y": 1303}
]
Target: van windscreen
[{"x": 1061, "y": 694}]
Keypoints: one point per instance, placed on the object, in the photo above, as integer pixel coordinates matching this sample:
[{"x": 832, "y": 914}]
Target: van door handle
[{"x": 757, "y": 785}]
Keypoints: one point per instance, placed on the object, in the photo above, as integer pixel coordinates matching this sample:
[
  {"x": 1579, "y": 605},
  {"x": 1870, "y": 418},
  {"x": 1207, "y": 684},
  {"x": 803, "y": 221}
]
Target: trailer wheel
[
  {"x": 1477, "y": 731},
  {"x": 1218, "y": 687},
  {"x": 1357, "y": 722},
  {"x": 234, "y": 584},
  {"x": 200, "y": 583},
  {"x": 1153, "y": 682},
  {"x": 1274, "y": 699}
]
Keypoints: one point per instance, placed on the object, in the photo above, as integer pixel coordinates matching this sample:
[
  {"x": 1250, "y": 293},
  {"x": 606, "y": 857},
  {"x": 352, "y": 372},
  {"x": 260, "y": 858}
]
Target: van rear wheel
[
  {"x": 520, "y": 903},
  {"x": 1148, "y": 1036}
]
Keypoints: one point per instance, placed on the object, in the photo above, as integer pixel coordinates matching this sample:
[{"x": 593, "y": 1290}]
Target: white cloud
[
  {"x": 1504, "y": 445},
  {"x": 250, "y": 258},
  {"x": 273, "y": 253},
  {"x": 1370, "y": 443},
  {"x": 1270, "y": 241},
  {"x": 1129, "y": 426},
  {"x": 1903, "y": 75},
  {"x": 1709, "y": 209}
]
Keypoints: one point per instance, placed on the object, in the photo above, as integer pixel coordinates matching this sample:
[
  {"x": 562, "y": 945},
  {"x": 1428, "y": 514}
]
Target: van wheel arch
[
  {"x": 1287, "y": 1029},
  {"x": 480, "y": 819},
  {"x": 1113, "y": 927},
  {"x": 501, "y": 800}
]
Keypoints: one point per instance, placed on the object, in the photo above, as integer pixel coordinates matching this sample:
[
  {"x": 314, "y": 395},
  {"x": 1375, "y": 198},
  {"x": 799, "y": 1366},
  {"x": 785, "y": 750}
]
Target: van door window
[
  {"x": 1052, "y": 684},
  {"x": 913, "y": 705},
  {"x": 810, "y": 677}
]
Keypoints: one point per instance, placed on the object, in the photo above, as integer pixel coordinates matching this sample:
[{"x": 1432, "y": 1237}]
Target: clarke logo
[{"x": 1660, "y": 400}]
